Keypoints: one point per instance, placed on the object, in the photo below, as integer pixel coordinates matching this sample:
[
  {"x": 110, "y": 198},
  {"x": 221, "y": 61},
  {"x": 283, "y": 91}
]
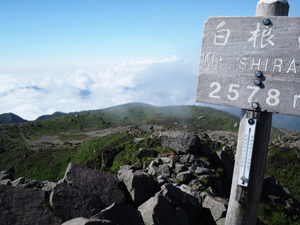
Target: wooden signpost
[{"x": 251, "y": 63}]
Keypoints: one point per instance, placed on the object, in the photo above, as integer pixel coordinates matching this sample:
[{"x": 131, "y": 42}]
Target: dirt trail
[
  {"x": 87, "y": 135},
  {"x": 48, "y": 139},
  {"x": 105, "y": 132}
]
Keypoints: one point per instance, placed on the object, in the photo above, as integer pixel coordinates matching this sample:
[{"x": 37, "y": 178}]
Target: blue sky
[{"x": 71, "y": 55}]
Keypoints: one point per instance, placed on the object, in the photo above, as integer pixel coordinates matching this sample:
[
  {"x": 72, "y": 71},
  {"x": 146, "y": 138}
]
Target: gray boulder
[
  {"x": 152, "y": 170},
  {"x": 217, "y": 206},
  {"x": 153, "y": 166},
  {"x": 276, "y": 194},
  {"x": 187, "y": 189},
  {"x": 140, "y": 185},
  {"x": 98, "y": 183},
  {"x": 180, "y": 168},
  {"x": 187, "y": 159},
  {"x": 121, "y": 213},
  {"x": 202, "y": 171},
  {"x": 185, "y": 177},
  {"x": 23, "y": 182},
  {"x": 191, "y": 160},
  {"x": 174, "y": 159},
  {"x": 165, "y": 170},
  {"x": 69, "y": 202},
  {"x": 24, "y": 207},
  {"x": 180, "y": 141},
  {"x": 19, "y": 181},
  {"x": 7, "y": 174},
  {"x": 5, "y": 182},
  {"x": 172, "y": 206},
  {"x": 157, "y": 211},
  {"x": 227, "y": 163},
  {"x": 48, "y": 186},
  {"x": 178, "y": 198}
]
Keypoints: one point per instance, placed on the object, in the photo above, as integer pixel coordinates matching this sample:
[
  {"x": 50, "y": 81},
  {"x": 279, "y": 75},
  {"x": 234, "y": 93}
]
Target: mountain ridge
[
  {"x": 279, "y": 121},
  {"x": 7, "y": 118}
]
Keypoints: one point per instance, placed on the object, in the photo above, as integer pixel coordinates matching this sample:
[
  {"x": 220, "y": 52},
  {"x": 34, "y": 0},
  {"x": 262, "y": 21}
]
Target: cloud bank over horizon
[{"x": 166, "y": 81}]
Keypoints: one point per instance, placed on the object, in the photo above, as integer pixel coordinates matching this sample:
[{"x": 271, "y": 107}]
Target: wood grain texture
[
  {"x": 244, "y": 202},
  {"x": 272, "y": 8},
  {"x": 251, "y": 46}
]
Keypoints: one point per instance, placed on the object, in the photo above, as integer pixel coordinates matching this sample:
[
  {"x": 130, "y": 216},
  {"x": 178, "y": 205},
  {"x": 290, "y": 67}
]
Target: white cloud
[
  {"x": 168, "y": 81},
  {"x": 81, "y": 80}
]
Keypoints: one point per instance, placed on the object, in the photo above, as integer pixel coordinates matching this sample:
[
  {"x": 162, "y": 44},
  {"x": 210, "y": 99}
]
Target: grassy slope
[
  {"x": 47, "y": 161},
  {"x": 282, "y": 164}
]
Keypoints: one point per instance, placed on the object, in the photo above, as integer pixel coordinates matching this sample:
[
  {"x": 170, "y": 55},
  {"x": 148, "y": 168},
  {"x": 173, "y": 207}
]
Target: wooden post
[
  {"x": 272, "y": 8},
  {"x": 244, "y": 202}
]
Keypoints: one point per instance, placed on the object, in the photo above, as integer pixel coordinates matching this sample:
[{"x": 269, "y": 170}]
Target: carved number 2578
[{"x": 234, "y": 94}]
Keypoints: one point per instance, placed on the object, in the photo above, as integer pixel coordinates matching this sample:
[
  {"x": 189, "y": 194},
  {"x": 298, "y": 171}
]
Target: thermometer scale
[{"x": 247, "y": 150}]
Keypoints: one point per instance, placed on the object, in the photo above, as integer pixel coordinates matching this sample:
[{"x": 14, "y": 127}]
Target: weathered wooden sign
[{"x": 251, "y": 63}]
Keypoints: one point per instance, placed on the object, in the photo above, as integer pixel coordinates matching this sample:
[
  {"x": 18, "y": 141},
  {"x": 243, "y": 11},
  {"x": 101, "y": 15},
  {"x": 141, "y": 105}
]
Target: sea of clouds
[{"x": 167, "y": 81}]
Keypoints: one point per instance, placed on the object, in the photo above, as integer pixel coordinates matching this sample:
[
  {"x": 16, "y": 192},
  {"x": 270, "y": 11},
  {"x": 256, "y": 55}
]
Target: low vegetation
[{"x": 42, "y": 149}]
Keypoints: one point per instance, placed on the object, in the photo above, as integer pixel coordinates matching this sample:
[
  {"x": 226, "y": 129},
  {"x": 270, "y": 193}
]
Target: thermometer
[{"x": 247, "y": 150}]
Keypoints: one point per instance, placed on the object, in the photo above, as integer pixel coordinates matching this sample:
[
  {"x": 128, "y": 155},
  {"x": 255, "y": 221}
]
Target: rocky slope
[{"x": 189, "y": 186}]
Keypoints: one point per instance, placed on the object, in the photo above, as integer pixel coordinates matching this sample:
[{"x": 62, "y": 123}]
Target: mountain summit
[{"x": 10, "y": 118}]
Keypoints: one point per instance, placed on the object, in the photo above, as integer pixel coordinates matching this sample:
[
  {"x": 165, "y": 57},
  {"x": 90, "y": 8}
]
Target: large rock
[
  {"x": 140, "y": 185},
  {"x": 180, "y": 168},
  {"x": 202, "y": 171},
  {"x": 193, "y": 162},
  {"x": 5, "y": 182},
  {"x": 24, "y": 207},
  {"x": 99, "y": 183},
  {"x": 178, "y": 198},
  {"x": 172, "y": 206},
  {"x": 227, "y": 163},
  {"x": 270, "y": 187},
  {"x": 121, "y": 213},
  {"x": 157, "y": 211},
  {"x": 165, "y": 170},
  {"x": 153, "y": 166},
  {"x": 69, "y": 202},
  {"x": 187, "y": 189},
  {"x": 48, "y": 186},
  {"x": 181, "y": 142},
  {"x": 217, "y": 206},
  {"x": 276, "y": 194},
  {"x": 23, "y": 182},
  {"x": 184, "y": 177},
  {"x": 7, "y": 174}
]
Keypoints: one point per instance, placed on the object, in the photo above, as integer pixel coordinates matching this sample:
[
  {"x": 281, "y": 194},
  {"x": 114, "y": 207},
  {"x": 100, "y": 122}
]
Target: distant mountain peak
[{"x": 6, "y": 118}]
